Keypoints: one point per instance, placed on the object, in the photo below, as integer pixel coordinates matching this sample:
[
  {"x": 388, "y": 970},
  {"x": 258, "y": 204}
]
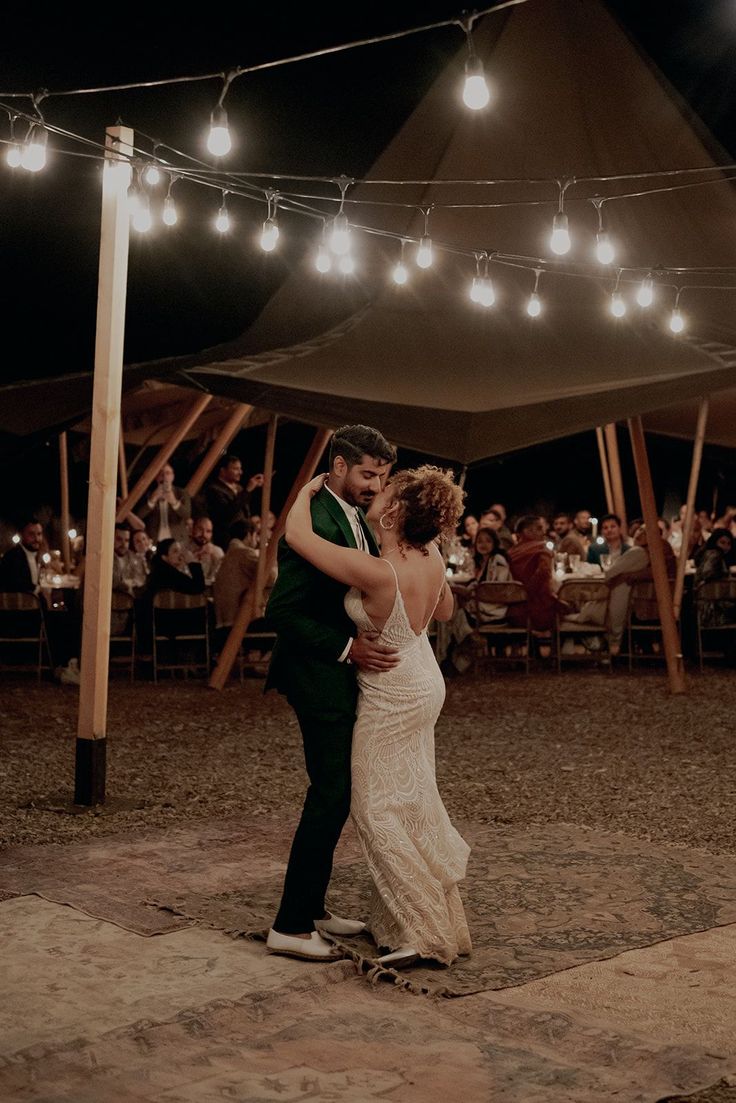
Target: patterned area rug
[{"x": 538, "y": 901}]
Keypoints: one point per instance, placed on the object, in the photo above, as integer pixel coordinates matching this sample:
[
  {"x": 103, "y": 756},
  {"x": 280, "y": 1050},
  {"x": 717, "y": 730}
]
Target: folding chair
[
  {"x": 180, "y": 618},
  {"x": 22, "y": 623},
  {"x": 578, "y": 593},
  {"x": 715, "y": 614},
  {"x": 122, "y": 630},
  {"x": 643, "y": 623},
  {"x": 500, "y": 632}
]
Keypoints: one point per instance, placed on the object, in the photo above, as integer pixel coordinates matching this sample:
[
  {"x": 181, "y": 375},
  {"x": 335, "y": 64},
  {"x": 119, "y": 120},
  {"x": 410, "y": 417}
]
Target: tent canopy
[{"x": 437, "y": 373}]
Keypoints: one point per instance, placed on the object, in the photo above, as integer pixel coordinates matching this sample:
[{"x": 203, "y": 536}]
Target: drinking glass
[
  {"x": 606, "y": 561},
  {"x": 574, "y": 563}
]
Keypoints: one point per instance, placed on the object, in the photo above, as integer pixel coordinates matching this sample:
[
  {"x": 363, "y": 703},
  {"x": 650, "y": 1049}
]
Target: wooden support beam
[
  {"x": 247, "y": 611},
  {"x": 89, "y": 778},
  {"x": 670, "y": 636},
  {"x": 220, "y": 444},
  {"x": 687, "y": 524},
  {"x": 163, "y": 456},
  {"x": 604, "y": 469},
  {"x": 66, "y": 554},
  {"x": 260, "y": 580},
  {"x": 122, "y": 466},
  {"x": 614, "y": 467}
]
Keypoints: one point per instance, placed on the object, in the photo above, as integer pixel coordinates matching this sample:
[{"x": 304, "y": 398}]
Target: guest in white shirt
[
  {"x": 167, "y": 508},
  {"x": 200, "y": 549}
]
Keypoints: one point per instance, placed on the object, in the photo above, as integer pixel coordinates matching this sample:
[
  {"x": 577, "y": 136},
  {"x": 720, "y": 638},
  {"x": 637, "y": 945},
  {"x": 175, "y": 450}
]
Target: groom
[{"x": 314, "y": 664}]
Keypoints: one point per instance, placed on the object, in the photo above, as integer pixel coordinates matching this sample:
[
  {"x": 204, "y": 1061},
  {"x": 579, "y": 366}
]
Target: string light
[
  {"x": 482, "y": 290},
  {"x": 16, "y": 538},
  {"x": 219, "y": 142},
  {"x": 645, "y": 294},
  {"x": 534, "y": 305},
  {"x": 604, "y": 250},
  {"x": 270, "y": 231},
  {"x": 475, "y": 90},
  {"x": 340, "y": 234},
  {"x": 677, "y": 322},
  {"x": 560, "y": 242},
  {"x": 323, "y": 260},
  {"x": 13, "y": 155},
  {"x": 33, "y": 154},
  {"x": 424, "y": 255},
  {"x": 617, "y": 305},
  {"x": 152, "y": 175},
  {"x": 400, "y": 273},
  {"x": 222, "y": 222},
  {"x": 142, "y": 220},
  {"x": 346, "y": 264}
]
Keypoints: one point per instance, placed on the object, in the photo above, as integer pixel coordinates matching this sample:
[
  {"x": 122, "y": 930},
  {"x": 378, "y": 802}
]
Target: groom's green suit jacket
[{"x": 307, "y": 611}]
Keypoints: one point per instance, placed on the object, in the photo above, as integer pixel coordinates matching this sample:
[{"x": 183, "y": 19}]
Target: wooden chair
[
  {"x": 643, "y": 623},
  {"x": 22, "y": 623},
  {"x": 715, "y": 601},
  {"x": 500, "y": 631},
  {"x": 123, "y": 632},
  {"x": 577, "y": 593},
  {"x": 180, "y": 618}
]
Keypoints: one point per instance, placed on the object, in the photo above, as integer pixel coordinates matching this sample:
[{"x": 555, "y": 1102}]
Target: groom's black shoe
[
  {"x": 314, "y": 948},
  {"x": 334, "y": 924}
]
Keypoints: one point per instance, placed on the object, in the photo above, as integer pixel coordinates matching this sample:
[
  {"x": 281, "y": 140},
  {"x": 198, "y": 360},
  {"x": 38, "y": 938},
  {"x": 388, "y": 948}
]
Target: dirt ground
[{"x": 616, "y": 752}]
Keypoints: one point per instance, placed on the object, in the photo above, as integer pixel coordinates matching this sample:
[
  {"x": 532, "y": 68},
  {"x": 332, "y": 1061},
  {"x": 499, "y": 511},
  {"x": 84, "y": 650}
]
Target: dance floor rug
[{"x": 539, "y": 901}]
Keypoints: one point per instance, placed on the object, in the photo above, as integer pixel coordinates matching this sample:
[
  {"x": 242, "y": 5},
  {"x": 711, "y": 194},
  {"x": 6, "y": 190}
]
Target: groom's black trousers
[{"x": 327, "y": 742}]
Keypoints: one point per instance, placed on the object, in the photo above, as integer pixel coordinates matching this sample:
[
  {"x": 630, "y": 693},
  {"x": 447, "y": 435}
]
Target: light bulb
[
  {"x": 219, "y": 142},
  {"x": 269, "y": 235},
  {"x": 400, "y": 274},
  {"x": 424, "y": 252},
  {"x": 134, "y": 199},
  {"x": 475, "y": 290},
  {"x": 346, "y": 264},
  {"x": 142, "y": 220},
  {"x": 604, "y": 249},
  {"x": 534, "y": 306},
  {"x": 72, "y": 534},
  {"x": 16, "y": 538},
  {"x": 618, "y": 306},
  {"x": 340, "y": 235},
  {"x": 323, "y": 261},
  {"x": 13, "y": 156},
  {"x": 475, "y": 91},
  {"x": 152, "y": 176},
  {"x": 560, "y": 242},
  {"x": 486, "y": 293},
  {"x": 169, "y": 215},
  {"x": 45, "y": 558},
  {"x": 677, "y": 322},
  {"x": 645, "y": 294},
  {"x": 222, "y": 222},
  {"x": 33, "y": 156}
]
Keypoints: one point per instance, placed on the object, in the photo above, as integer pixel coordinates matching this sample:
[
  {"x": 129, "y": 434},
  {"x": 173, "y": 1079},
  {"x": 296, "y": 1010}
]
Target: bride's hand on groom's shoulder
[{"x": 314, "y": 485}]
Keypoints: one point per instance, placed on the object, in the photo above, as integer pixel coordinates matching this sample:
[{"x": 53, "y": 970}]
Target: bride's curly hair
[{"x": 430, "y": 504}]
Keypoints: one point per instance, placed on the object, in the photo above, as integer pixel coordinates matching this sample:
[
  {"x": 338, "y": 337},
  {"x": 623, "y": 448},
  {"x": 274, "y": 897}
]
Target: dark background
[{"x": 189, "y": 287}]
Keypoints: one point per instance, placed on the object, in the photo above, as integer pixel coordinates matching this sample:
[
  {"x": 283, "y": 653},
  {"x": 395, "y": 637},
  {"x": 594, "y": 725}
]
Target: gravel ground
[{"x": 612, "y": 752}]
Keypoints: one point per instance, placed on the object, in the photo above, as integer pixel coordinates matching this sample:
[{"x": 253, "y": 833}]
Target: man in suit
[
  {"x": 227, "y": 500},
  {"x": 19, "y": 566},
  {"x": 167, "y": 508},
  {"x": 314, "y": 664}
]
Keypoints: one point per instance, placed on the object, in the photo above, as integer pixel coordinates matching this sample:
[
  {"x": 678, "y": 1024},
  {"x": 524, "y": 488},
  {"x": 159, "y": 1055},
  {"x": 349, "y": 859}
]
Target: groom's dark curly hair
[{"x": 352, "y": 442}]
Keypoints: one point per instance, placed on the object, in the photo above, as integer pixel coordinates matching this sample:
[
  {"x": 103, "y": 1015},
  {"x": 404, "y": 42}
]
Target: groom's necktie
[{"x": 360, "y": 539}]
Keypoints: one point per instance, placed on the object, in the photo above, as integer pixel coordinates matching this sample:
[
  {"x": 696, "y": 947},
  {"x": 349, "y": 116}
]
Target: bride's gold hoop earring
[{"x": 386, "y": 528}]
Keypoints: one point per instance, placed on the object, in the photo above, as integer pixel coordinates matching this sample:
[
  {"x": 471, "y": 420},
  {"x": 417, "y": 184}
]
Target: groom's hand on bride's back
[{"x": 368, "y": 654}]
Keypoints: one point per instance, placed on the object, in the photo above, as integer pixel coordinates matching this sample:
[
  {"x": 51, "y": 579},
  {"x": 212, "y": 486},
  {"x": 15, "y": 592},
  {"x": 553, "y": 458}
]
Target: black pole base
[{"x": 89, "y": 771}]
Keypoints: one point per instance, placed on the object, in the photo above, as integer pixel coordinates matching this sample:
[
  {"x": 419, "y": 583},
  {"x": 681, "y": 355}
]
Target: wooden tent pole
[
  {"x": 246, "y": 612},
  {"x": 227, "y": 433},
  {"x": 122, "y": 465},
  {"x": 687, "y": 525},
  {"x": 617, "y": 483},
  {"x": 64, "y": 473},
  {"x": 604, "y": 469},
  {"x": 260, "y": 581},
  {"x": 90, "y": 765},
  {"x": 163, "y": 455},
  {"x": 670, "y": 637}
]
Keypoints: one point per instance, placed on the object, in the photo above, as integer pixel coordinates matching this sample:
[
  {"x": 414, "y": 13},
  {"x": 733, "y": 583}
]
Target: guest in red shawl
[{"x": 531, "y": 563}]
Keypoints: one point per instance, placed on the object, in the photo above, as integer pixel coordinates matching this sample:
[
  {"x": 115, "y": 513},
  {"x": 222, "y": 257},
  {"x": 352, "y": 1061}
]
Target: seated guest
[
  {"x": 582, "y": 528},
  {"x": 143, "y": 551},
  {"x": 236, "y": 575},
  {"x": 713, "y": 566},
  {"x": 561, "y": 527},
  {"x": 468, "y": 530},
  {"x": 613, "y": 540},
  {"x": 170, "y": 570},
  {"x": 531, "y": 564},
  {"x": 125, "y": 570},
  {"x": 200, "y": 549},
  {"x": 491, "y": 565},
  {"x": 20, "y": 566},
  {"x": 494, "y": 518},
  {"x": 166, "y": 509}
]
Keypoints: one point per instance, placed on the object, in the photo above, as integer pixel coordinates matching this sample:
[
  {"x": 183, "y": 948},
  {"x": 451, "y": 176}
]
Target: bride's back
[{"x": 419, "y": 578}]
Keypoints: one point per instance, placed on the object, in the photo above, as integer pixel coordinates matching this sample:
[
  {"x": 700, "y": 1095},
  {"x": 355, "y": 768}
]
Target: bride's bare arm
[{"x": 347, "y": 565}]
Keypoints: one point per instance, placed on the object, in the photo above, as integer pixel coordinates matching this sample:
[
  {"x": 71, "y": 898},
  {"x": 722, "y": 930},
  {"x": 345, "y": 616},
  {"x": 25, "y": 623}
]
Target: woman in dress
[{"x": 415, "y": 856}]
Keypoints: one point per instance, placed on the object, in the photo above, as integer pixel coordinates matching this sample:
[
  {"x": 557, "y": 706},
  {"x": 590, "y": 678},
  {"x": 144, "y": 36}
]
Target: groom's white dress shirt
[{"x": 351, "y": 512}]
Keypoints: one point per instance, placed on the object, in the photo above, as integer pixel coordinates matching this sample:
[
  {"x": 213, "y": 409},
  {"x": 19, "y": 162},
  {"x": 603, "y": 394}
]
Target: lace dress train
[{"x": 415, "y": 856}]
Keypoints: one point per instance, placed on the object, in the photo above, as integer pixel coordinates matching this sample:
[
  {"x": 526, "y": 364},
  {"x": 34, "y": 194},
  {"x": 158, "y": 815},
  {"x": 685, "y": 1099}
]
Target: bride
[{"x": 415, "y": 856}]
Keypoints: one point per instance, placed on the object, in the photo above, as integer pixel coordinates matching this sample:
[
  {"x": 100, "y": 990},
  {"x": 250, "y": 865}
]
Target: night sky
[{"x": 189, "y": 288}]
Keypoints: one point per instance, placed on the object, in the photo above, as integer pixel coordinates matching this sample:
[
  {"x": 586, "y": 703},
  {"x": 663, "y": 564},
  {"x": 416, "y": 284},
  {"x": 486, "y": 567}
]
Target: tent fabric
[{"x": 437, "y": 373}]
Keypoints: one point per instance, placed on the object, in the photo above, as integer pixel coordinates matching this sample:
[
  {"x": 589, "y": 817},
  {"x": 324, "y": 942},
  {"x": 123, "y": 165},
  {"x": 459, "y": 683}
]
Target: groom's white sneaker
[
  {"x": 314, "y": 948},
  {"x": 334, "y": 924}
]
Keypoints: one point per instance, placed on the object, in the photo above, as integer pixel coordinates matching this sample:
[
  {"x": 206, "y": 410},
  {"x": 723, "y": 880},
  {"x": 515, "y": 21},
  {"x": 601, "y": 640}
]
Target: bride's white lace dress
[{"x": 415, "y": 856}]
